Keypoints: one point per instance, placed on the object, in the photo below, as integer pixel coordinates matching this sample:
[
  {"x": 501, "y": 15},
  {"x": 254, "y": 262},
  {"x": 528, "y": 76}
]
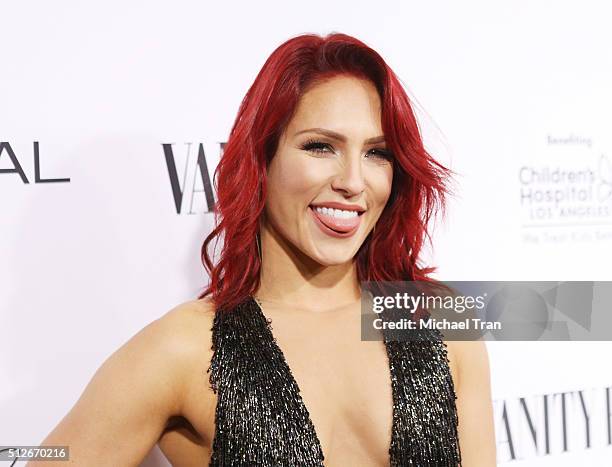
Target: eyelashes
[{"x": 316, "y": 146}]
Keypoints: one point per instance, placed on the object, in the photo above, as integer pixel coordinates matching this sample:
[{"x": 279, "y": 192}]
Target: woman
[{"x": 324, "y": 183}]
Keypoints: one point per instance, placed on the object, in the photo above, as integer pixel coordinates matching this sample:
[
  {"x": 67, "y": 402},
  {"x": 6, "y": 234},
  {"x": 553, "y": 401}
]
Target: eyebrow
[{"x": 338, "y": 136}]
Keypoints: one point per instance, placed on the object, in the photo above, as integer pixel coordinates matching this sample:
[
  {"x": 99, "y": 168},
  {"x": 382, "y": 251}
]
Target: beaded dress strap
[{"x": 261, "y": 419}]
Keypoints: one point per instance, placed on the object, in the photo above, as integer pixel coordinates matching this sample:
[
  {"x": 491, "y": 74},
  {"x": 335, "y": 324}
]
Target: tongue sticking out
[{"x": 338, "y": 224}]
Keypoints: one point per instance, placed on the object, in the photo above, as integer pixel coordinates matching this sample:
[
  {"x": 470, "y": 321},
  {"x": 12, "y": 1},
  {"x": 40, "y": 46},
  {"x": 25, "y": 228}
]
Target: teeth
[{"x": 340, "y": 213}]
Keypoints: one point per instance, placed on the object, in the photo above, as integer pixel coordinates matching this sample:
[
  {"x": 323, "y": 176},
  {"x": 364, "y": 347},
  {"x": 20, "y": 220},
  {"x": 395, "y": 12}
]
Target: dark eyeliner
[{"x": 314, "y": 145}]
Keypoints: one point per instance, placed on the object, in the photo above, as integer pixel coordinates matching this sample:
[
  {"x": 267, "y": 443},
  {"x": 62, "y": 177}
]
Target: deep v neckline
[
  {"x": 277, "y": 347},
  {"x": 315, "y": 435},
  {"x": 262, "y": 419}
]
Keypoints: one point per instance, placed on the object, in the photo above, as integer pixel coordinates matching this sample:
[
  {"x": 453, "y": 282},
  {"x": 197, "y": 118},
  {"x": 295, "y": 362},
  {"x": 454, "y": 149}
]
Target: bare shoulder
[
  {"x": 188, "y": 320},
  {"x": 203, "y": 307},
  {"x": 179, "y": 332},
  {"x": 137, "y": 389},
  {"x": 466, "y": 359},
  {"x": 185, "y": 332},
  {"x": 468, "y": 362},
  {"x": 472, "y": 381}
]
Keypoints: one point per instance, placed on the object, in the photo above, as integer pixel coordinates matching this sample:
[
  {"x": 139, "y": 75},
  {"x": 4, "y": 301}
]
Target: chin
[{"x": 334, "y": 258}]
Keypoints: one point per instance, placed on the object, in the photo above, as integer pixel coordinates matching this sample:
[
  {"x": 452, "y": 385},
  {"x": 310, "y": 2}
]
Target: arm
[
  {"x": 474, "y": 405},
  {"x": 125, "y": 407}
]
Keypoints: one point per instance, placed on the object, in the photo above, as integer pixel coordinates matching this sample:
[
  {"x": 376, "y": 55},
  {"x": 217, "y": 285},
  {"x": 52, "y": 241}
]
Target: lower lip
[{"x": 331, "y": 232}]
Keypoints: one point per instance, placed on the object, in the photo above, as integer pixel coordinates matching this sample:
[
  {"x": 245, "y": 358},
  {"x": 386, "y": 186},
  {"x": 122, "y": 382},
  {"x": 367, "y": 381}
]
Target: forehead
[{"x": 337, "y": 103}]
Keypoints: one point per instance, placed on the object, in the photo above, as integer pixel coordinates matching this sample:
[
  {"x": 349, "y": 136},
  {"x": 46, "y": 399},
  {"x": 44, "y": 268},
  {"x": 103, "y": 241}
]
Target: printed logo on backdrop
[
  {"x": 565, "y": 192},
  {"x": 190, "y": 182},
  {"x": 11, "y": 164},
  {"x": 553, "y": 424}
]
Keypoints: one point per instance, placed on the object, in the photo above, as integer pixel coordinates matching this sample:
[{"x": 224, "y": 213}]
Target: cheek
[
  {"x": 293, "y": 182},
  {"x": 380, "y": 182},
  {"x": 297, "y": 179}
]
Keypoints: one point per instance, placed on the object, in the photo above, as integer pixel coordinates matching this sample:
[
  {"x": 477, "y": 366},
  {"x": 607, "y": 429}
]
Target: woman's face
[{"x": 331, "y": 175}]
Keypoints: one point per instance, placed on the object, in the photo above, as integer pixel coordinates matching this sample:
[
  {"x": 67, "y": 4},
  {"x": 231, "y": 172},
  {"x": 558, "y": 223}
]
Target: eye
[
  {"x": 381, "y": 154},
  {"x": 320, "y": 147},
  {"x": 316, "y": 146}
]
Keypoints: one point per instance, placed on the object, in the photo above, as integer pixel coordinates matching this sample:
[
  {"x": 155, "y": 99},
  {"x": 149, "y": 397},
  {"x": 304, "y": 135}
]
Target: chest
[{"x": 344, "y": 386}]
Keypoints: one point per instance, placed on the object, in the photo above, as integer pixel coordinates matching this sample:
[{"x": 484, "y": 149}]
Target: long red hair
[{"x": 419, "y": 187}]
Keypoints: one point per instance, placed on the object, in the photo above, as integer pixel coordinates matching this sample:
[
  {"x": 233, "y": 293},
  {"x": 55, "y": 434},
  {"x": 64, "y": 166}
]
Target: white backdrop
[{"x": 510, "y": 95}]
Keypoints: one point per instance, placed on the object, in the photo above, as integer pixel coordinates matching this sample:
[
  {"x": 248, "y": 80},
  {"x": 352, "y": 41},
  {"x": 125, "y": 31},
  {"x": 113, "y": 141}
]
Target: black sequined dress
[{"x": 261, "y": 420}]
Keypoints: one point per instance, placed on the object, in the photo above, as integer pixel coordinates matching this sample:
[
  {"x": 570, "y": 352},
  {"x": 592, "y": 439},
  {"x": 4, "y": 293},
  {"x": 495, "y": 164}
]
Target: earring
[{"x": 258, "y": 241}]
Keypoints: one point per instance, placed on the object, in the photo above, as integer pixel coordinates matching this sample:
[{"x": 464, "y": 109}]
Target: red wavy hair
[{"x": 419, "y": 187}]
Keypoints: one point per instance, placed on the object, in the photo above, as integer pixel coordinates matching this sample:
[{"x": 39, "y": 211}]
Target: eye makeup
[{"x": 320, "y": 147}]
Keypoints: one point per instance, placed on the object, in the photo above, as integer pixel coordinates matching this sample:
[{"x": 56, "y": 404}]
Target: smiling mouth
[{"x": 336, "y": 226}]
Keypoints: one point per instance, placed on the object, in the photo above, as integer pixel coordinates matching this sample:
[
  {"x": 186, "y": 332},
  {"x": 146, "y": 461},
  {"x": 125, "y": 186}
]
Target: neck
[{"x": 288, "y": 277}]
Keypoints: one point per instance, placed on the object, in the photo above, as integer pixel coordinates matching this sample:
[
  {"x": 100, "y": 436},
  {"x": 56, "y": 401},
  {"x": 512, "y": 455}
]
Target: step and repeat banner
[{"x": 113, "y": 117}]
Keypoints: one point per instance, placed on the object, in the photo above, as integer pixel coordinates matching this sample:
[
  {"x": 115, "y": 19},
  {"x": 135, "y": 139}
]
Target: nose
[{"x": 350, "y": 178}]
